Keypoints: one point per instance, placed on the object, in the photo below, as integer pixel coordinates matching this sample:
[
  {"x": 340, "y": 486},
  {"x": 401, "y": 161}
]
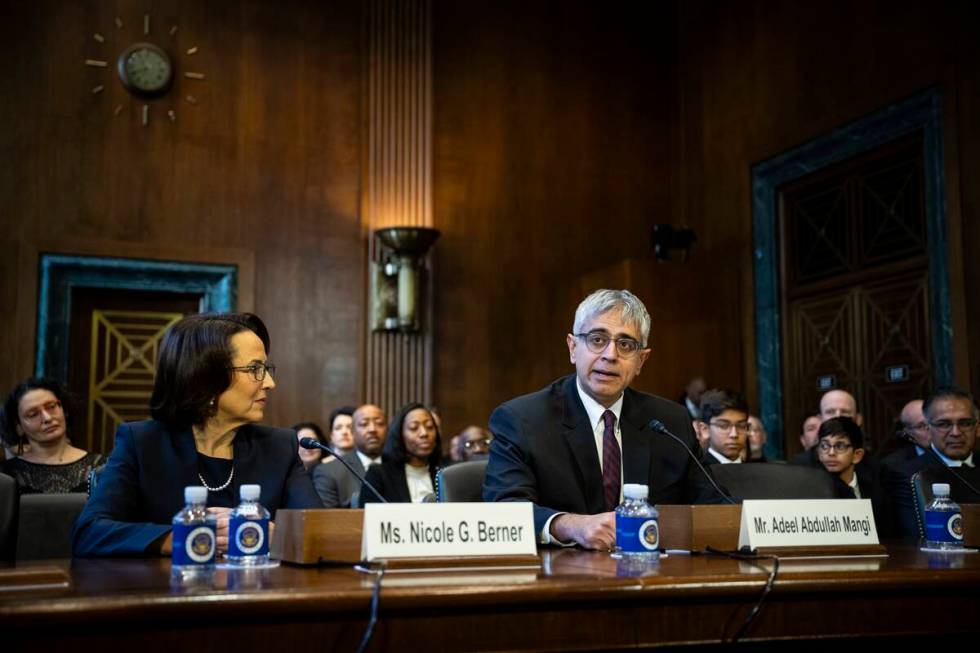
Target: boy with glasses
[
  {"x": 840, "y": 446},
  {"x": 724, "y": 424}
]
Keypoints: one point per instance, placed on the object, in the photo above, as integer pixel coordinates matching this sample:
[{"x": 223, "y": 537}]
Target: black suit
[
  {"x": 389, "y": 478},
  {"x": 142, "y": 486},
  {"x": 544, "y": 451},
  {"x": 901, "y": 497}
]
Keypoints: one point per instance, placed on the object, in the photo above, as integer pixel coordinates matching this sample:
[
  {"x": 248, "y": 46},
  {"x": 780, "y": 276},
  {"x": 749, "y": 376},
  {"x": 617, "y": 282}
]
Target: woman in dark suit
[
  {"x": 211, "y": 387},
  {"x": 410, "y": 459}
]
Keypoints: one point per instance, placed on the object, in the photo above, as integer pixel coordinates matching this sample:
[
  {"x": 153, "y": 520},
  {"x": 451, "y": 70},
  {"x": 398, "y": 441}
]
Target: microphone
[
  {"x": 313, "y": 443},
  {"x": 659, "y": 427}
]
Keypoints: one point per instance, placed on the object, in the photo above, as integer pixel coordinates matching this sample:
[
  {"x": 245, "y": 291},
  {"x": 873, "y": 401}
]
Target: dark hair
[
  {"x": 336, "y": 412},
  {"x": 842, "y": 426},
  {"x": 317, "y": 431},
  {"x": 947, "y": 392},
  {"x": 394, "y": 449},
  {"x": 10, "y": 411},
  {"x": 716, "y": 401},
  {"x": 194, "y": 365}
]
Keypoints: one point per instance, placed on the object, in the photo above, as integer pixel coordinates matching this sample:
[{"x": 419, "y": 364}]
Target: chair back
[
  {"x": 774, "y": 481},
  {"x": 45, "y": 525},
  {"x": 9, "y": 506},
  {"x": 962, "y": 485},
  {"x": 461, "y": 482}
]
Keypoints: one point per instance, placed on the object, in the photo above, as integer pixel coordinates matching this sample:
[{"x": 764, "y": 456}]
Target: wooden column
[{"x": 398, "y": 183}]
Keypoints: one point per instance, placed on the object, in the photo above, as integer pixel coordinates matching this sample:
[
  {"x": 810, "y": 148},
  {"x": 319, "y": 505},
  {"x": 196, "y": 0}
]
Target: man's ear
[
  {"x": 570, "y": 341},
  {"x": 859, "y": 419},
  {"x": 858, "y": 456}
]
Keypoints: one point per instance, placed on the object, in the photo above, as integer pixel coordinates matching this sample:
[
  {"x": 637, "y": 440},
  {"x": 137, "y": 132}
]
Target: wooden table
[{"x": 578, "y": 600}]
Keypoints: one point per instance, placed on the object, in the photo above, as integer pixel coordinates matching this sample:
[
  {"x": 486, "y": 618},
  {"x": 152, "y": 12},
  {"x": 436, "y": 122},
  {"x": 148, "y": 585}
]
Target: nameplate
[
  {"x": 419, "y": 530},
  {"x": 807, "y": 523}
]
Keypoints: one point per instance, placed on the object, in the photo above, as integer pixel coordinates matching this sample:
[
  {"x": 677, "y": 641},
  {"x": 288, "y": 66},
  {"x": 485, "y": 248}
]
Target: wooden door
[{"x": 855, "y": 287}]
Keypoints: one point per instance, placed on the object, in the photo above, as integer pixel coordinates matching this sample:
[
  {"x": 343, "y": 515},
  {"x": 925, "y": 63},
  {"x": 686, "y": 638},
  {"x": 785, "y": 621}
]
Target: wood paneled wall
[{"x": 264, "y": 171}]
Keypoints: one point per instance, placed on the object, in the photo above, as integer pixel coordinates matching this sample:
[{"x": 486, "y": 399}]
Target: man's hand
[{"x": 589, "y": 531}]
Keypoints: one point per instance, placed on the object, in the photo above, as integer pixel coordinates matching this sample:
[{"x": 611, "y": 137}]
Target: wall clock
[{"x": 148, "y": 70}]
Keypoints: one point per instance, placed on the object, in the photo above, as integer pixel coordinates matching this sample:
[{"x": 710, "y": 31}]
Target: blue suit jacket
[
  {"x": 142, "y": 486},
  {"x": 544, "y": 451}
]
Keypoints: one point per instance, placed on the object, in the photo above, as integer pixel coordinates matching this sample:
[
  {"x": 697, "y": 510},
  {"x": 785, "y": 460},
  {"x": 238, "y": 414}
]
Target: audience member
[
  {"x": 840, "y": 447},
  {"x": 755, "y": 452},
  {"x": 724, "y": 423},
  {"x": 833, "y": 403},
  {"x": 951, "y": 414},
  {"x": 454, "y": 454},
  {"x": 310, "y": 457},
  {"x": 569, "y": 447},
  {"x": 691, "y": 399},
  {"x": 210, "y": 389},
  {"x": 341, "y": 425},
  {"x": 473, "y": 442},
  {"x": 808, "y": 431},
  {"x": 34, "y": 424},
  {"x": 337, "y": 487},
  {"x": 910, "y": 438},
  {"x": 411, "y": 459}
]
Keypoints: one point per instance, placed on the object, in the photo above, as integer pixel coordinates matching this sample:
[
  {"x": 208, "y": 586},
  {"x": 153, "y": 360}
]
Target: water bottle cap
[
  {"x": 940, "y": 489},
  {"x": 250, "y": 492},
  {"x": 195, "y": 494},
  {"x": 635, "y": 491}
]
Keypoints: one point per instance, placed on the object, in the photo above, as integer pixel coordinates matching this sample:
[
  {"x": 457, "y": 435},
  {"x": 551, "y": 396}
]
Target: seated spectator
[
  {"x": 210, "y": 389},
  {"x": 34, "y": 424},
  {"x": 410, "y": 459},
  {"x": 833, "y": 403},
  {"x": 757, "y": 441},
  {"x": 724, "y": 424},
  {"x": 840, "y": 447},
  {"x": 341, "y": 424},
  {"x": 951, "y": 414},
  {"x": 310, "y": 457},
  {"x": 910, "y": 439},
  {"x": 336, "y": 485},
  {"x": 691, "y": 399},
  {"x": 473, "y": 442}
]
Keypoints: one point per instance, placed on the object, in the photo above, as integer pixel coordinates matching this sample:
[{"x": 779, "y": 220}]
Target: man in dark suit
[
  {"x": 337, "y": 487},
  {"x": 951, "y": 414},
  {"x": 569, "y": 447}
]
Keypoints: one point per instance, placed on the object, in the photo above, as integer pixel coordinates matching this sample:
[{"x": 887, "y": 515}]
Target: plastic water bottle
[
  {"x": 944, "y": 524},
  {"x": 248, "y": 530},
  {"x": 637, "y": 526},
  {"x": 194, "y": 542}
]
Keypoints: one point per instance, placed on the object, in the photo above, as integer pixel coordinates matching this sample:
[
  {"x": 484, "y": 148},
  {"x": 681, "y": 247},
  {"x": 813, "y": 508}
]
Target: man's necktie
[{"x": 610, "y": 461}]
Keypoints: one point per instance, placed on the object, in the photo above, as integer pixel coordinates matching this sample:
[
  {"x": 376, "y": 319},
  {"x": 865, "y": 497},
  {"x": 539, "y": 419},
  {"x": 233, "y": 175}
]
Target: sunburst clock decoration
[{"x": 146, "y": 70}]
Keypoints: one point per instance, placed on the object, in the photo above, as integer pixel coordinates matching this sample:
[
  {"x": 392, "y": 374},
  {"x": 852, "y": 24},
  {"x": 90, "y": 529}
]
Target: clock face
[{"x": 145, "y": 69}]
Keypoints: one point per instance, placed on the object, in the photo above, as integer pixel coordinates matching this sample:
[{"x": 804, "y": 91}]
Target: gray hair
[{"x": 603, "y": 301}]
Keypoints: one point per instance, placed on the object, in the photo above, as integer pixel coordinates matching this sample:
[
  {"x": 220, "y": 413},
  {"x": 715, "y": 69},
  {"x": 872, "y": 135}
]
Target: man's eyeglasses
[
  {"x": 596, "y": 341},
  {"x": 36, "y": 414},
  {"x": 725, "y": 426},
  {"x": 257, "y": 370},
  {"x": 482, "y": 443},
  {"x": 945, "y": 426},
  {"x": 839, "y": 447},
  {"x": 918, "y": 426}
]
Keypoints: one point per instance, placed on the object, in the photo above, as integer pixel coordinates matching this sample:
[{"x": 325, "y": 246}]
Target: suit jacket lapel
[
  {"x": 580, "y": 437},
  {"x": 186, "y": 453},
  {"x": 636, "y": 443}
]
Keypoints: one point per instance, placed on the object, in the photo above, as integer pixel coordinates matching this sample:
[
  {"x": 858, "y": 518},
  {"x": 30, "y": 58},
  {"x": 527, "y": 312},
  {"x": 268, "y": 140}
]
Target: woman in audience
[
  {"x": 211, "y": 386},
  {"x": 409, "y": 461},
  {"x": 310, "y": 457},
  {"x": 34, "y": 425},
  {"x": 342, "y": 429}
]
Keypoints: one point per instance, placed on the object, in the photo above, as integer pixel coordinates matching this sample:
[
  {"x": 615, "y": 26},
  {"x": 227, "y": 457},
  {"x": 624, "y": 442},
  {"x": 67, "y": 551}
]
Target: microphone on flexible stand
[
  {"x": 659, "y": 427},
  {"x": 313, "y": 443}
]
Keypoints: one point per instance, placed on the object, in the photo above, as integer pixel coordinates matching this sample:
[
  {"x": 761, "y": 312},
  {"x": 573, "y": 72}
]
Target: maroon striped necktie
[{"x": 610, "y": 461}]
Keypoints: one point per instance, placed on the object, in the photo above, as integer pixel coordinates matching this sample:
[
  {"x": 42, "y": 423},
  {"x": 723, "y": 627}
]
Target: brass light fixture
[{"x": 395, "y": 279}]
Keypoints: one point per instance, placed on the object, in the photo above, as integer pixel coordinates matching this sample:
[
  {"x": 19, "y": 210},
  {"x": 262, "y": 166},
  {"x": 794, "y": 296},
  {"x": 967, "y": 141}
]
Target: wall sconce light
[{"x": 395, "y": 279}]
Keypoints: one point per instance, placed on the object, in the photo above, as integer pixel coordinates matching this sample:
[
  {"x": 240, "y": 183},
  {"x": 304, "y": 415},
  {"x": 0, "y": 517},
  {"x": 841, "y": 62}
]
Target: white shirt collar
[
  {"x": 367, "y": 460},
  {"x": 854, "y": 485},
  {"x": 968, "y": 461},
  {"x": 724, "y": 460},
  {"x": 594, "y": 409}
]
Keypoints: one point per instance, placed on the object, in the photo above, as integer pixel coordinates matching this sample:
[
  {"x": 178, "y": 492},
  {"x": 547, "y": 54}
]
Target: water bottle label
[
  {"x": 944, "y": 526},
  {"x": 193, "y": 544},
  {"x": 637, "y": 534},
  {"x": 249, "y": 537}
]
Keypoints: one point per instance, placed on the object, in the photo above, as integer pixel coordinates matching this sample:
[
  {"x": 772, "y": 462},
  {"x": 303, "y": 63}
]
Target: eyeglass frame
[
  {"x": 836, "y": 447},
  {"x": 740, "y": 427},
  {"x": 619, "y": 347},
  {"x": 941, "y": 429},
  {"x": 254, "y": 370},
  {"x": 469, "y": 444}
]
